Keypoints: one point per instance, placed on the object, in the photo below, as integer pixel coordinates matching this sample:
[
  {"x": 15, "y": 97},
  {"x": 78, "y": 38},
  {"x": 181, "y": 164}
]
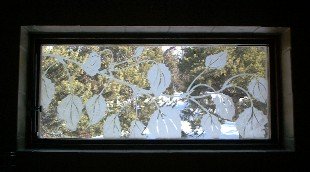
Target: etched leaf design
[
  {"x": 166, "y": 124},
  {"x": 138, "y": 52},
  {"x": 159, "y": 78},
  {"x": 70, "y": 110},
  {"x": 47, "y": 91},
  {"x": 92, "y": 64},
  {"x": 224, "y": 105},
  {"x": 112, "y": 127},
  {"x": 96, "y": 107},
  {"x": 251, "y": 123},
  {"x": 211, "y": 125},
  {"x": 259, "y": 89},
  {"x": 216, "y": 61},
  {"x": 136, "y": 130}
]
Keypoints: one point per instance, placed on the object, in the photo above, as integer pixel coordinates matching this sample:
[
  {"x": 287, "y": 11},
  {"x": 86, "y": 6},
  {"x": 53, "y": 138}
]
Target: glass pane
[{"x": 154, "y": 92}]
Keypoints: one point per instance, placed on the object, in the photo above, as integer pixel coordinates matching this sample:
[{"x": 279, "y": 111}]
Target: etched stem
[
  {"x": 63, "y": 58},
  {"x": 203, "y": 108},
  {"x": 137, "y": 63},
  {"x": 196, "y": 79},
  {"x": 242, "y": 89},
  {"x": 65, "y": 66},
  {"x": 236, "y": 76},
  {"x": 199, "y": 85},
  {"x": 48, "y": 69}
]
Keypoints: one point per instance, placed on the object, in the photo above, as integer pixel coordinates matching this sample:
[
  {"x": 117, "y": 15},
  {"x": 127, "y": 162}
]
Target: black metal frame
[{"x": 37, "y": 39}]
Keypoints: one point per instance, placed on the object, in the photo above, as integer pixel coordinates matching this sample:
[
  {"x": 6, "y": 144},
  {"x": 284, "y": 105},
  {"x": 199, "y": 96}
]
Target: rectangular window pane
[{"x": 154, "y": 91}]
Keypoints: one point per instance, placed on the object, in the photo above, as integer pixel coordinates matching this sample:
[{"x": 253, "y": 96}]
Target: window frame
[{"x": 275, "y": 88}]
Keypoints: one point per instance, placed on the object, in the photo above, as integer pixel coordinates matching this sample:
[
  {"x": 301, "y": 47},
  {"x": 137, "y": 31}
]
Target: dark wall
[{"x": 159, "y": 12}]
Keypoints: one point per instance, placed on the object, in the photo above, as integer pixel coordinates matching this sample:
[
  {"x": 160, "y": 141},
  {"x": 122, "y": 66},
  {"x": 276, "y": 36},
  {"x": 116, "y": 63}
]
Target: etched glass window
[{"x": 154, "y": 91}]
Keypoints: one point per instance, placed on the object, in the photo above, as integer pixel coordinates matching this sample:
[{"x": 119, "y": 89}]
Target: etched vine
[{"x": 165, "y": 121}]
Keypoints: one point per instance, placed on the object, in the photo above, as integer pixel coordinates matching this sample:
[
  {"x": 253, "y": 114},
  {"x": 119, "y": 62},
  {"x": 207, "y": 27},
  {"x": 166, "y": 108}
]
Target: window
[{"x": 154, "y": 89}]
